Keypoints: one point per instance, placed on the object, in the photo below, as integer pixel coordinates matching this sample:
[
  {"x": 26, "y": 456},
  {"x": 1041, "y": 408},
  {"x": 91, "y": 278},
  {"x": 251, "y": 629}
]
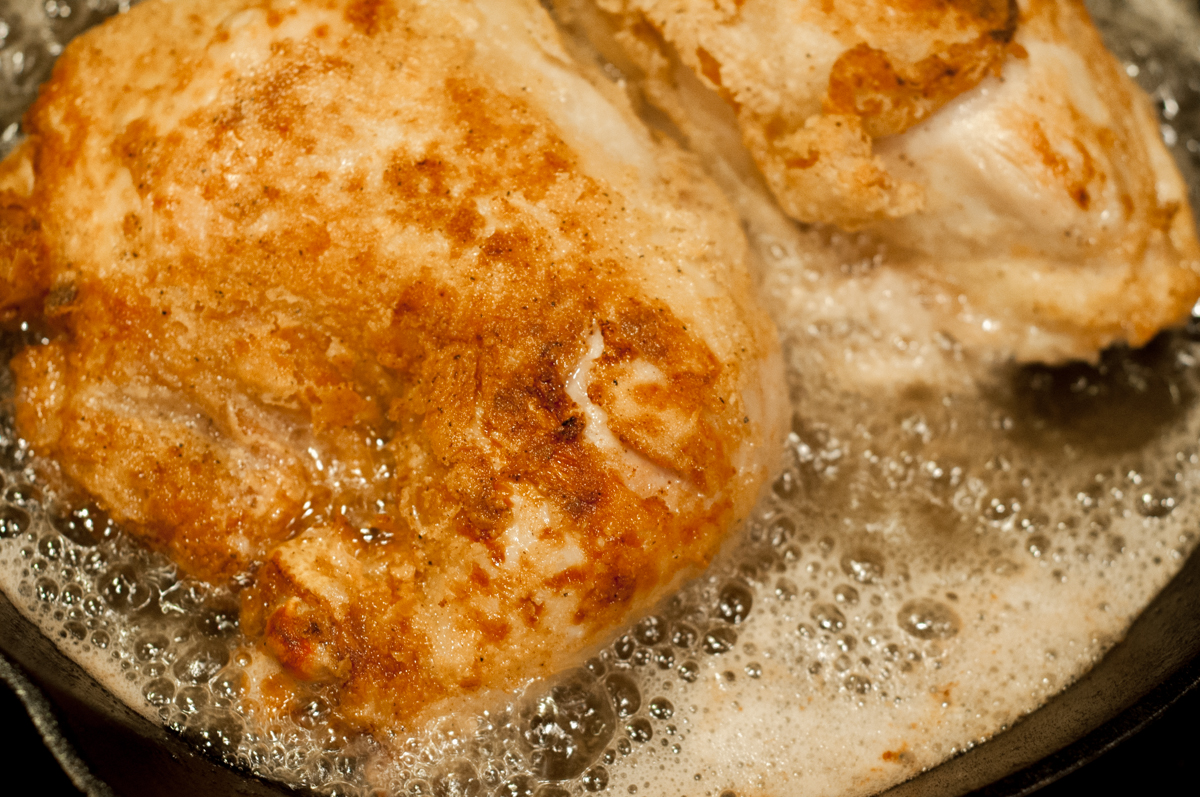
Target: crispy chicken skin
[
  {"x": 995, "y": 147},
  {"x": 347, "y": 296},
  {"x": 814, "y": 83}
]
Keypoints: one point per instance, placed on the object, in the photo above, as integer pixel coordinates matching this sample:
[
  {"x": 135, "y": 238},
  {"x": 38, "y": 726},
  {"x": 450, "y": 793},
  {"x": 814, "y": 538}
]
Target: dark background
[{"x": 1153, "y": 761}]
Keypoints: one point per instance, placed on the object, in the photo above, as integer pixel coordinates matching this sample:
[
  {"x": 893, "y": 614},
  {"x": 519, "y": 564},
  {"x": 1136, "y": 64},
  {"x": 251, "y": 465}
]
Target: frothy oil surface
[{"x": 950, "y": 543}]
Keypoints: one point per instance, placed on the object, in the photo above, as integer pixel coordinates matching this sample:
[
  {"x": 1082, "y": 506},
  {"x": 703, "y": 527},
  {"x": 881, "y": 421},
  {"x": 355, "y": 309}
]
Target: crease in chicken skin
[
  {"x": 1014, "y": 174},
  {"x": 392, "y": 311}
]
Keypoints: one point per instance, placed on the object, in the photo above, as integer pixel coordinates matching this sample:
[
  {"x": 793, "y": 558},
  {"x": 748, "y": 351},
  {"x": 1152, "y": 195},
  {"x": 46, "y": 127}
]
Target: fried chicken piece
[
  {"x": 995, "y": 147},
  {"x": 394, "y": 307},
  {"x": 813, "y": 83}
]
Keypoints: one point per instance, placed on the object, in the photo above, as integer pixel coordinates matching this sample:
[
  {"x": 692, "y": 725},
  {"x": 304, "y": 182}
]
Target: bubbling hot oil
[{"x": 946, "y": 547}]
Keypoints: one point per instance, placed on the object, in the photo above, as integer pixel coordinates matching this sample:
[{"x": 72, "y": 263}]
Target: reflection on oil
[{"x": 1120, "y": 404}]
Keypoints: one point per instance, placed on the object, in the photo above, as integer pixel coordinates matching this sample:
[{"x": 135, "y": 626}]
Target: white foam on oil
[{"x": 950, "y": 544}]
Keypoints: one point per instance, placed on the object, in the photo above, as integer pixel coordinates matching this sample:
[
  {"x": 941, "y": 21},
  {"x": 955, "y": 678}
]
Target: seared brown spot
[
  {"x": 891, "y": 98},
  {"x": 136, "y": 147},
  {"x": 807, "y": 161},
  {"x": 299, "y": 638},
  {"x": 22, "y": 259},
  {"x": 370, "y": 16},
  {"x": 710, "y": 67},
  {"x": 1074, "y": 180}
]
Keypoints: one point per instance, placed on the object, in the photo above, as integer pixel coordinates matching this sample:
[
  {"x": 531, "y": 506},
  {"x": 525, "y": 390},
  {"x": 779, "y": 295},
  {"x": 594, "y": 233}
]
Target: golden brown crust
[
  {"x": 23, "y": 267},
  {"x": 814, "y": 83},
  {"x": 890, "y": 98},
  {"x": 330, "y": 270},
  {"x": 1038, "y": 217},
  {"x": 1093, "y": 241}
]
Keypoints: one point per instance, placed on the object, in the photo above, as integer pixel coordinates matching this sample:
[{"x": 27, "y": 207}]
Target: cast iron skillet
[{"x": 107, "y": 749}]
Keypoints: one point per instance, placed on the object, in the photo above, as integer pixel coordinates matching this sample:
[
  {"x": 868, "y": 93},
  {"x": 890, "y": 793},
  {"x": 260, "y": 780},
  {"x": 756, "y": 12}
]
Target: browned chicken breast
[
  {"x": 388, "y": 309},
  {"x": 995, "y": 148}
]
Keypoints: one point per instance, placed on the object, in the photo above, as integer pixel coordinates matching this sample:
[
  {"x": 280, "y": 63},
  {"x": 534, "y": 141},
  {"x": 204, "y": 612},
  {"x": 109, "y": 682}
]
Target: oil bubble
[
  {"x": 566, "y": 726},
  {"x": 638, "y": 729},
  {"x": 720, "y": 640},
  {"x": 457, "y": 779},
  {"x": 122, "y": 589},
  {"x": 159, "y": 692},
  {"x": 550, "y": 790},
  {"x": 828, "y": 617},
  {"x": 23, "y": 494},
  {"x": 650, "y": 630},
  {"x": 858, "y": 684},
  {"x": 786, "y": 486},
  {"x": 928, "y": 619},
  {"x": 46, "y": 590},
  {"x": 520, "y": 786},
  {"x": 661, "y": 708},
  {"x": 780, "y": 531},
  {"x": 93, "y": 562},
  {"x": 684, "y": 635},
  {"x": 72, "y": 595},
  {"x": 734, "y": 603},
  {"x": 864, "y": 565},
  {"x": 219, "y": 621},
  {"x": 50, "y": 547},
  {"x": 595, "y": 779},
  {"x": 201, "y": 662},
  {"x": 14, "y": 522},
  {"x": 191, "y": 699},
  {"x": 85, "y": 526},
  {"x": 151, "y": 646},
  {"x": 1155, "y": 504},
  {"x": 217, "y": 734},
  {"x": 845, "y": 594},
  {"x": 626, "y": 697},
  {"x": 311, "y": 713},
  {"x": 93, "y": 605}
]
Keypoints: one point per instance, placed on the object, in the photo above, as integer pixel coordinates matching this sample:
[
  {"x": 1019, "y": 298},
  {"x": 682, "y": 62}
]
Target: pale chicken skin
[
  {"x": 995, "y": 148},
  {"x": 347, "y": 302}
]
